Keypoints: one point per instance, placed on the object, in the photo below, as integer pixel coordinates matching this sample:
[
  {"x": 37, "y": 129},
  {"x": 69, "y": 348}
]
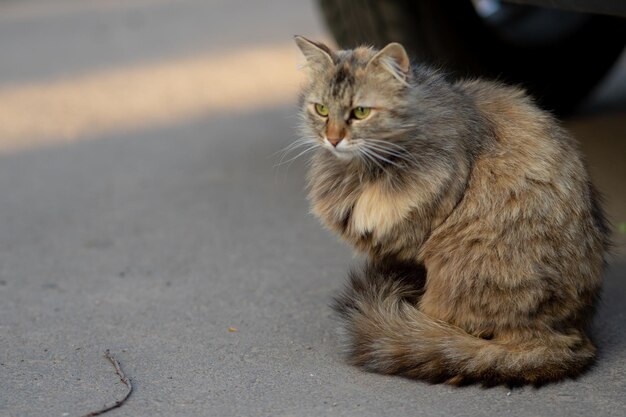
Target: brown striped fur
[{"x": 485, "y": 238}]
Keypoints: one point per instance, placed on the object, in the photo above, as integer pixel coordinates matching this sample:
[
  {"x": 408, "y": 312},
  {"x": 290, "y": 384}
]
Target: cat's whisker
[
  {"x": 296, "y": 157},
  {"x": 296, "y": 144},
  {"x": 373, "y": 152},
  {"x": 374, "y": 157},
  {"x": 386, "y": 143},
  {"x": 283, "y": 162},
  {"x": 391, "y": 152},
  {"x": 363, "y": 157},
  {"x": 293, "y": 146},
  {"x": 399, "y": 151},
  {"x": 371, "y": 162}
]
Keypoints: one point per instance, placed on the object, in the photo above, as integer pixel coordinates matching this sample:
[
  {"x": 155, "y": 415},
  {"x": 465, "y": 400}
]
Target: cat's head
[{"x": 355, "y": 104}]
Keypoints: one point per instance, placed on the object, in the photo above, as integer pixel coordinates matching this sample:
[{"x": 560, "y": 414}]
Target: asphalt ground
[{"x": 141, "y": 212}]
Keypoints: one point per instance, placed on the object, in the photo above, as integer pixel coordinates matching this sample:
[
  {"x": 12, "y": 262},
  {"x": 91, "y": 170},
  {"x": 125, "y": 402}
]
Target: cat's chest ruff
[{"x": 377, "y": 210}]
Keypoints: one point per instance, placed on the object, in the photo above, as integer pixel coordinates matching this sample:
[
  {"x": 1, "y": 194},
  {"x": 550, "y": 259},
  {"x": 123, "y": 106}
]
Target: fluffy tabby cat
[{"x": 484, "y": 235}]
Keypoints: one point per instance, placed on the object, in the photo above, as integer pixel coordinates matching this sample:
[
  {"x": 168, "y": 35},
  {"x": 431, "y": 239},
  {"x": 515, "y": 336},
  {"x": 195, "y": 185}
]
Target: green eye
[
  {"x": 361, "y": 112},
  {"x": 321, "y": 109}
]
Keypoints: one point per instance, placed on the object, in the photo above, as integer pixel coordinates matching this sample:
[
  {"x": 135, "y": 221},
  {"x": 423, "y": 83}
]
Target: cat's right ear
[{"x": 317, "y": 54}]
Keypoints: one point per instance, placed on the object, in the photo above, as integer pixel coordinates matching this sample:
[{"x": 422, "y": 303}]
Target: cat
[{"x": 485, "y": 239}]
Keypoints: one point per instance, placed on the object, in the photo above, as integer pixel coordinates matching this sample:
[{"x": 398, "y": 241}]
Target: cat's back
[
  {"x": 529, "y": 194},
  {"x": 528, "y": 144}
]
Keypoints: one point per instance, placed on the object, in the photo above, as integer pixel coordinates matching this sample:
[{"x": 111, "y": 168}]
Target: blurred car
[{"x": 558, "y": 52}]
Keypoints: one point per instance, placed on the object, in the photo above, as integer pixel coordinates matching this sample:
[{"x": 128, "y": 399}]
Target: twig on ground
[{"x": 125, "y": 381}]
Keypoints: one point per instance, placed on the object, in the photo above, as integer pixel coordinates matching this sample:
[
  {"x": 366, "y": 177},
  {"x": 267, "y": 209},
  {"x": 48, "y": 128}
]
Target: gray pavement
[{"x": 153, "y": 238}]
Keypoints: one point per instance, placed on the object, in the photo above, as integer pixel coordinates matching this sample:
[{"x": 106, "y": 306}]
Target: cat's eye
[
  {"x": 321, "y": 109},
  {"x": 361, "y": 112}
]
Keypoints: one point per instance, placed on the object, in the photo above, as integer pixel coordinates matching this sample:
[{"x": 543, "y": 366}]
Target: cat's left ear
[
  {"x": 317, "y": 54},
  {"x": 394, "y": 59}
]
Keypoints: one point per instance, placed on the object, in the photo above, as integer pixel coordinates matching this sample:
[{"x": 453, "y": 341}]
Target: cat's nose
[
  {"x": 335, "y": 134},
  {"x": 334, "y": 141}
]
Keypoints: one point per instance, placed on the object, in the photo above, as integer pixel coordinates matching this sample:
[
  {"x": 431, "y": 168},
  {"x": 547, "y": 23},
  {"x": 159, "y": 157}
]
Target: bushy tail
[{"x": 385, "y": 332}]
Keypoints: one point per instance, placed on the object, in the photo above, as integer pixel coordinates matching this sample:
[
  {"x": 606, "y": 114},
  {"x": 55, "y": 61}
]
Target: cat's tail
[{"x": 385, "y": 332}]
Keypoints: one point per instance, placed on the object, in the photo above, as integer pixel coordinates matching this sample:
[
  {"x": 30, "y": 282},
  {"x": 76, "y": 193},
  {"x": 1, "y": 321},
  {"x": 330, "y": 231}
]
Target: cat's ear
[
  {"x": 317, "y": 54},
  {"x": 394, "y": 59}
]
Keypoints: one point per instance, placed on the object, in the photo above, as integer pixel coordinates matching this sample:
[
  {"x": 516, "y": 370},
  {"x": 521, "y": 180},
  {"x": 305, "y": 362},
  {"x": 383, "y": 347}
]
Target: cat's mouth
[{"x": 342, "y": 150}]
